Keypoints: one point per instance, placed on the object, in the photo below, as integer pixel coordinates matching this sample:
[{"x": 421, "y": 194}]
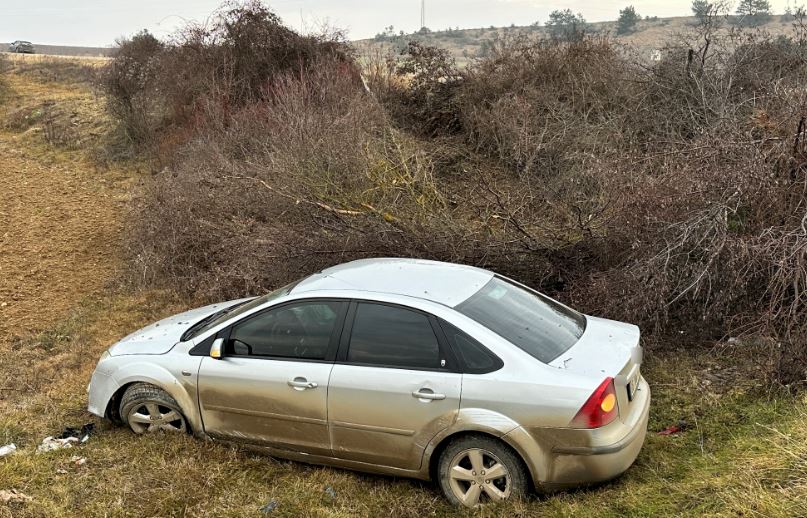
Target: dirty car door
[
  {"x": 392, "y": 389},
  {"x": 271, "y": 385}
]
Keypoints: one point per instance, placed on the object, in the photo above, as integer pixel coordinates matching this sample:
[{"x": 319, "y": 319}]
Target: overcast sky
[{"x": 100, "y": 22}]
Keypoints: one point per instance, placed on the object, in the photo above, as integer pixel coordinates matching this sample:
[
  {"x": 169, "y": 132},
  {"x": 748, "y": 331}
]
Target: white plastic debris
[
  {"x": 78, "y": 461},
  {"x": 8, "y": 449},
  {"x": 13, "y": 496},
  {"x": 50, "y": 444}
]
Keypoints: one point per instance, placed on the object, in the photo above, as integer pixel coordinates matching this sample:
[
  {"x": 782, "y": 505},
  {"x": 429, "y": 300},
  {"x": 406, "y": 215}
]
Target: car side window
[
  {"x": 391, "y": 336},
  {"x": 296, "y": 331},
  {"x": 474, "y": 357}
]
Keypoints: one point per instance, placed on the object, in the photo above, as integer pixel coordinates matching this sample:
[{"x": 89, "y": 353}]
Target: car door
[
  {"x": 270, "y": 386},
  {"x": 392, "y": 388}
]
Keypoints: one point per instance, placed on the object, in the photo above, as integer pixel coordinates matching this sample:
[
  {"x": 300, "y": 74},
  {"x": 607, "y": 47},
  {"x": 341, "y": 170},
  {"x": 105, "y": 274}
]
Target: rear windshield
[{"x": 533, "y": 322}]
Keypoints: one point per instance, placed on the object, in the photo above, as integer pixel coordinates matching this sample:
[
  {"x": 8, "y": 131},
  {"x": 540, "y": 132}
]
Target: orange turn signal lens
[{"x": 608, "y": 403}]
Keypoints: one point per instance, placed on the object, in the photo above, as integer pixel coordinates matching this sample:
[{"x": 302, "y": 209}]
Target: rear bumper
[
  {"x": 561, "y": 458},
  {"x": 598, "y": 462}
]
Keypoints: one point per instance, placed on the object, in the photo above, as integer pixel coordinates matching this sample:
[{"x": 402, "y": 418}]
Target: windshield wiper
[{"x": 191, "y": 331}]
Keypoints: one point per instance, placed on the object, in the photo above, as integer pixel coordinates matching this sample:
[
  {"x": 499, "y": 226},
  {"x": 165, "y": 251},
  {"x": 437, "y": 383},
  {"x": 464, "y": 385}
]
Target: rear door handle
[
  {"x": 428, "y": 394},
  {"x": 302, "y": 384}
]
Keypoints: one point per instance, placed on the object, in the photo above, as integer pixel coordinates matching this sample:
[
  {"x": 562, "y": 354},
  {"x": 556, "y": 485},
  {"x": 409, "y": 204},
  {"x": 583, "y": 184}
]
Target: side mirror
[{"x": 217, "y": 349}]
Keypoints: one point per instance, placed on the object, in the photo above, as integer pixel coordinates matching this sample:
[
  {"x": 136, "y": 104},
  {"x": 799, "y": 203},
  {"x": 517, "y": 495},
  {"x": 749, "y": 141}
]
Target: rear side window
[
  {"x": 537, "y": 324},
  {"x": 391, "y": 336},
  {"x": 474, "y": 357}
]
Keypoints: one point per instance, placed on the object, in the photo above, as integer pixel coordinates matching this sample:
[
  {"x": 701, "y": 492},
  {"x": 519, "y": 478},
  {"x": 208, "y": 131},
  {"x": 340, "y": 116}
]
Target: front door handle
[
  {"x": 428, "y": 394},
  {"x": 302, "y": 384}
]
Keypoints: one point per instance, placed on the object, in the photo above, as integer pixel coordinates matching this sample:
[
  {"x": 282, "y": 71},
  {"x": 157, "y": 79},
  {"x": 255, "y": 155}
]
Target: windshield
[
  {"x": 234, "y": 311},
  {"x": 540, "y": 326}
]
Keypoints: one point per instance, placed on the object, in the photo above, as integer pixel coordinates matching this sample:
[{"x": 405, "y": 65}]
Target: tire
[
  {"x": 146, "y": 408},
  {"x": 469, "y": 485}
]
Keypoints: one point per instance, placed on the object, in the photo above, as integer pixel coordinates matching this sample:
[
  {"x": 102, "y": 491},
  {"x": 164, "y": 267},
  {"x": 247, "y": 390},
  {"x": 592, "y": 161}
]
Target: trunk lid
[{"x": 607, "y": 348}]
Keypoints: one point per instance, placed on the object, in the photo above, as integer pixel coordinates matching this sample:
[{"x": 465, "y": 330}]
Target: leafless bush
[
  {"x": 155, "y": 87},
  {"x": 534, "y": 103},
  {"x": 423, "y": 95},
  {"x": 671, "y": 194},
  {"x": 4, "y": 68},
  {"x": 131, "y": 84},
  {"x": 60, "y": 129},
  {"x": 307, "y": 177}
]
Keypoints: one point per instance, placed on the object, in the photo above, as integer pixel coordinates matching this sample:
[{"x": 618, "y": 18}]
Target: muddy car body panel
[{"x": 328, "y": 392}]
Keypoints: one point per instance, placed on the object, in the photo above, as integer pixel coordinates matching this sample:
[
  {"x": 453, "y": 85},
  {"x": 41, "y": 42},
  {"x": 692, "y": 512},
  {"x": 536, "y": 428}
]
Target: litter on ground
[
  {"x": 675, "y": 428},
  {"x": 8, "y": 449},
  {"x": 82, "y": 433},
  {"x": 50, "y": 444},
  {"x": 13, "y": 496},
  {"x": 269, "y": 507}
]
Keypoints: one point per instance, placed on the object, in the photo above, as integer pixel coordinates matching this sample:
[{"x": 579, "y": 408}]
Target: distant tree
[
  {"x": 754, "y": 12},
  {"x": 753, "y": 7},
  {"x": 566, "y": 26},
  {"x": 485, "y": 49},
  {"x": 701, "y": 9},
  {"x": 387, "y": 34},
  {"x": 628, "y": 18}
]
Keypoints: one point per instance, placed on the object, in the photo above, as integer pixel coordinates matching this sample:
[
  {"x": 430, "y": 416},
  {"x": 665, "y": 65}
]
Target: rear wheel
[
  {"x": 475, "y": 470},
  {"x": 146, "y": 408}
]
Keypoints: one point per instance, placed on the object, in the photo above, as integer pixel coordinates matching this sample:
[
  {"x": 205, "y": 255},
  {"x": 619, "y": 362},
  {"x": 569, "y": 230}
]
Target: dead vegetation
[{"x": 676, "y": 186}]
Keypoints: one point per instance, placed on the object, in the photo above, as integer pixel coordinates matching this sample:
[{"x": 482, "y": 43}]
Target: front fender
[{"x": 104, "y": 386}]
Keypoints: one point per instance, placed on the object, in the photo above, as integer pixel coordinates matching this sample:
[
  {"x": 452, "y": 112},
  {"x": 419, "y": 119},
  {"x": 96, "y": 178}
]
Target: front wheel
[
  {"x": 475, "y": 470},
  {"x": 146, "y": 408}
]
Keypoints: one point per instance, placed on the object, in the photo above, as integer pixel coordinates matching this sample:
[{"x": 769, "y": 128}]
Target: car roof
[{"x": 443, "y": 283}]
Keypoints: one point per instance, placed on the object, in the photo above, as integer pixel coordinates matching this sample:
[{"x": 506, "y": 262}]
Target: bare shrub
[
  {"x": 131, "y": 85},
  {"x": 154, "y": 87},
  {"x": 310, "y": 176},
  {"x": 532, "y": 103},
  {"x": 60, "y": 129},
  {"x": 671, "y": 194},
  {"x": 425, "y": 99},
  {"x": 5, "y": 66},
  {"x": 676, "y": 189}
]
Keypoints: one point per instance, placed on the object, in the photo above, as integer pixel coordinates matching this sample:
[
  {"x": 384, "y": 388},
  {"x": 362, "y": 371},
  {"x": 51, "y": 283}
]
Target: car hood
[
  {"x": 160, "y": 337},
  {"x": 605, "y": 348}
]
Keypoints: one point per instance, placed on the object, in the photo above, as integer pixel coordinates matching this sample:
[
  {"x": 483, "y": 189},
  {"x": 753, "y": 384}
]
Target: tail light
[{"x": 600, "y": 409}]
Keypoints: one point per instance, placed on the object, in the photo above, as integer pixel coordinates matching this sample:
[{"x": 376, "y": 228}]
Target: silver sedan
[{"x": 396, "y": 366}]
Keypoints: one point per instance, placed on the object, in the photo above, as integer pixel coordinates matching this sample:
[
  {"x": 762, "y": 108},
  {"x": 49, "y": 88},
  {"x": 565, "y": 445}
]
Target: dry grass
[{"x": 744, "y": 452}]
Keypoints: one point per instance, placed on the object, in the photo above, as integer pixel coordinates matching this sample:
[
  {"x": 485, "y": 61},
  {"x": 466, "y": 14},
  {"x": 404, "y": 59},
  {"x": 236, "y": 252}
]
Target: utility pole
[{"x": 422, "y": 13}]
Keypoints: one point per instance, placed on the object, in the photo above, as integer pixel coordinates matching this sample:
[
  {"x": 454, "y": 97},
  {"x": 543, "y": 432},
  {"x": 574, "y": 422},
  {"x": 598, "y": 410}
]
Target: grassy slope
[{"x": 745, "y": 453}]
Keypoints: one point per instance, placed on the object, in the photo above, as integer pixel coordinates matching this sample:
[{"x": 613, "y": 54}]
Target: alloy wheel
[
  {"x": 477, "y": 476},
  {"x": 152, "y": 417}
]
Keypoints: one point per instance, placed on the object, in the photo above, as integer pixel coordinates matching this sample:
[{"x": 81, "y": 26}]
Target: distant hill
[
  {"x": 650, "y": 34},
  {"x": 464, "y": 44},
  {"x": 62, "y": 50}
]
